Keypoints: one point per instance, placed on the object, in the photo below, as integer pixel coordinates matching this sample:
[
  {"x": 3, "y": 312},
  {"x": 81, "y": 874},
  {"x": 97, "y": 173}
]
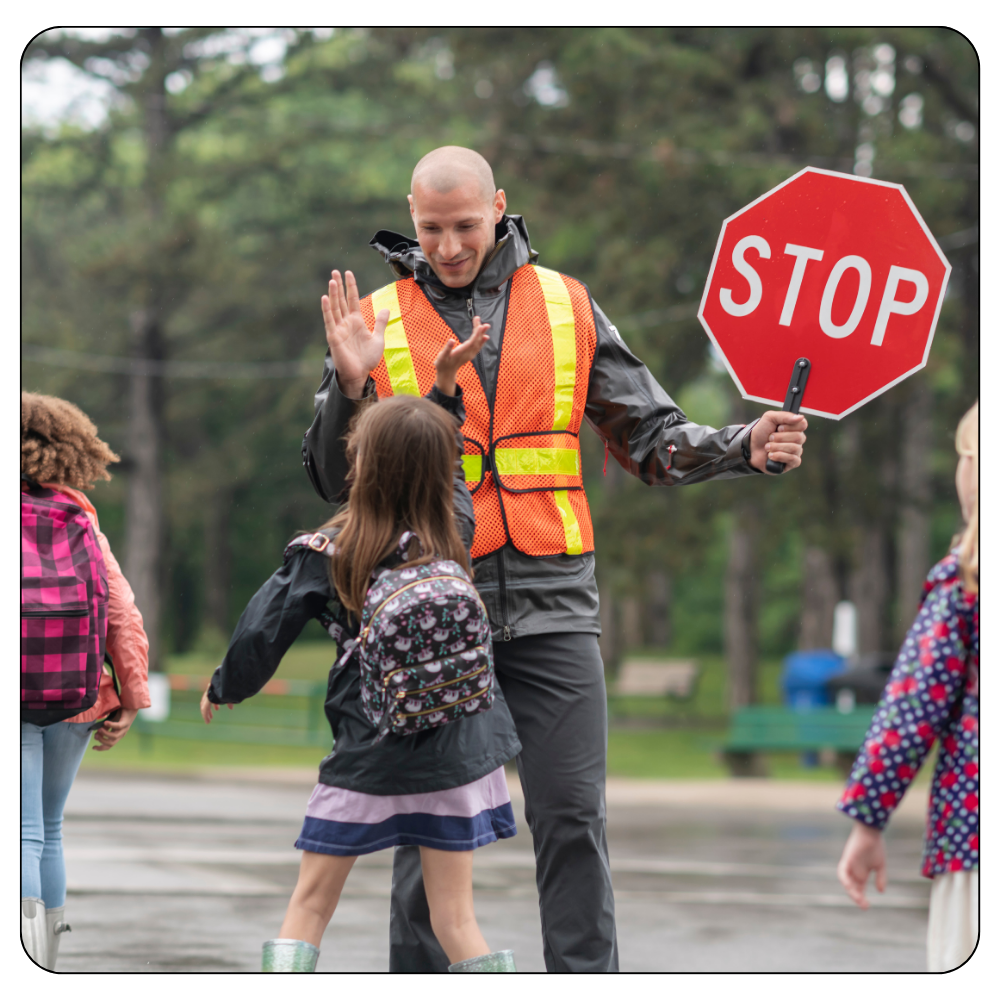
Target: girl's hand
[
  {"x": 209, "y": 708},
  {"x": 453, "y": 355},
  {"x": 111, "y": 732},
  {"x": 864, "y": 853}
]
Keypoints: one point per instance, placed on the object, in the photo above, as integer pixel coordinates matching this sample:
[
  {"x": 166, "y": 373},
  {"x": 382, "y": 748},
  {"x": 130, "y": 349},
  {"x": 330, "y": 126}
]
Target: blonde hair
[
  {"x": 59, "y": 443},
  {"x": 967, "y": 444}
]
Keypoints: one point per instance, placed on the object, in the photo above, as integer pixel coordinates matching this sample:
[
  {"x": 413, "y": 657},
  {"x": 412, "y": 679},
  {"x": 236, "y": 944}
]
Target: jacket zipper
[
  {"x": 444, "y": 576},
  {"x": 500, "y": 567},
  {"x": 428, "y": 711},
  {"x": 55, "y": 613},
  {"x": 433, "y": 687}
]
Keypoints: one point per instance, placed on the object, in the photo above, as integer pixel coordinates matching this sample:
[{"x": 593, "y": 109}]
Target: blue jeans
[{"x": 50, "y": 758}]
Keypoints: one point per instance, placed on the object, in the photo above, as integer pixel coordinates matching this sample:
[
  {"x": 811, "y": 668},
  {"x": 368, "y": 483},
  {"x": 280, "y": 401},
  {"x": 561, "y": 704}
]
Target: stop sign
[{"x": 838, "y": 269}]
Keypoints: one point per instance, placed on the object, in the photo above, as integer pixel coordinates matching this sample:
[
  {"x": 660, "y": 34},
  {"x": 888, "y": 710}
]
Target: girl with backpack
[
  {"x": 75, "y": 607},
  {"x": 421, "y": 730},
  {"x": 932, "y": 694}
]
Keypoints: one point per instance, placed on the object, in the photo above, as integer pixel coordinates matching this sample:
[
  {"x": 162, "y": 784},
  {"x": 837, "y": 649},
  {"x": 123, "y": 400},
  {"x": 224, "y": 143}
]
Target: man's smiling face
[{"x": 456, "y": 228}]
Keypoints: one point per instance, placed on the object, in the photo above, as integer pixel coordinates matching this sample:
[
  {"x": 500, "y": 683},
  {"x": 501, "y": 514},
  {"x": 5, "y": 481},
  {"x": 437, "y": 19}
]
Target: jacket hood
[{"x": 512, "y": 250}]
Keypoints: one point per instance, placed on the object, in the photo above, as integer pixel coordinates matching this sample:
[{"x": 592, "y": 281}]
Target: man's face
[{"x": 456, "y": 230}]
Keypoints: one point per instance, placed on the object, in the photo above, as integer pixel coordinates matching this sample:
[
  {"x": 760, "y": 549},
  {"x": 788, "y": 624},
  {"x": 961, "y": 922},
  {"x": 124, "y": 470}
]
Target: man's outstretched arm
[{"x": 650, "y": 436}]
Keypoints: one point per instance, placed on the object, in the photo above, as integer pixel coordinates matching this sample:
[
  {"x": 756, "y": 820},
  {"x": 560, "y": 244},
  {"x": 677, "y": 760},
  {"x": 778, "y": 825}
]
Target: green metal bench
[
  {"x": 761, "y": 728},
  {"x": 285, "y": 713}
]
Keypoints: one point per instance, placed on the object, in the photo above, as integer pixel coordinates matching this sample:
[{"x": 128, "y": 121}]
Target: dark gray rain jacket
[{"x": 644, "y": 429}]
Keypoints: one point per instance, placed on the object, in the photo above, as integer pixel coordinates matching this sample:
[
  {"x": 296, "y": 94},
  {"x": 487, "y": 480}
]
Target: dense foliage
[{"x": 623, "y": 148}]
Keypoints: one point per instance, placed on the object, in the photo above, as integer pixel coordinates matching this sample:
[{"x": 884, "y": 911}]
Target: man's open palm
[{"x": 354, "y": 349}]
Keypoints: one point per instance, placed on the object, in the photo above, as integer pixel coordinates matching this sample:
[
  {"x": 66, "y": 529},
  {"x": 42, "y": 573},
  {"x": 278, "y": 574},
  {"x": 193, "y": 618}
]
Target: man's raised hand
[
  {"x": 453, "y": 355},
  {"x": 354, "y": 349}
]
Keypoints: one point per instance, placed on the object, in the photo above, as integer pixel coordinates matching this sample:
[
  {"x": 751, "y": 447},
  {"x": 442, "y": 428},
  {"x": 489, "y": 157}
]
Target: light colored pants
[
  {"x": 50, "y": 758},
  {"x": 953, "y": 921}
]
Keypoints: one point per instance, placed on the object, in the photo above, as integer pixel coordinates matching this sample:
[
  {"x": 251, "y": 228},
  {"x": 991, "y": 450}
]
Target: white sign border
[{"x": 767, "y": 194}]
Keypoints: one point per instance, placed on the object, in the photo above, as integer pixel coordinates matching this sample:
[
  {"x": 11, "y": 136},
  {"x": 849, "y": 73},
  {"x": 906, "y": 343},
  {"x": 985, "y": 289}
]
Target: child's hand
[
  {"x": 209, "y": 708},
  {"x": 864, "y": 853},
  {"x": 453, "y": 355}
]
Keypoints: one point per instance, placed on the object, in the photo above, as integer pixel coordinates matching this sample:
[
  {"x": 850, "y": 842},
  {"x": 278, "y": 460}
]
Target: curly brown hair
[{"x": 59, "y": 443}]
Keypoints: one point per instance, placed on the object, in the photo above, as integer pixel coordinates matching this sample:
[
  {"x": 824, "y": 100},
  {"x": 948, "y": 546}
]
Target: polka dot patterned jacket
[{"x": 933, "y": 693}]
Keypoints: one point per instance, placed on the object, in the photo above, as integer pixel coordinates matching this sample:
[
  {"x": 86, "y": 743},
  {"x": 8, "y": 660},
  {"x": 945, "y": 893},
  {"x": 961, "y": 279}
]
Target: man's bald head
[{"x": 449, "y": 167}]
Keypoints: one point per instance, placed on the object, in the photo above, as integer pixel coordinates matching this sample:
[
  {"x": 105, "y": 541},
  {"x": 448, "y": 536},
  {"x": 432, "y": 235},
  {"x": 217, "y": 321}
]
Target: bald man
[{"x": 552, "y": 360}]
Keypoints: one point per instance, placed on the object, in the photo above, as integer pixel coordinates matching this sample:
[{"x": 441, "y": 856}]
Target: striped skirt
[{"x": 339, "y": 821}]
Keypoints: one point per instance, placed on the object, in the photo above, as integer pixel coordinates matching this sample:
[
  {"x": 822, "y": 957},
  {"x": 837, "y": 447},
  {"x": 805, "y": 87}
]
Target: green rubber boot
[
  {"x": 495, "y": 961},
  {"x": 288, "y": 955}
]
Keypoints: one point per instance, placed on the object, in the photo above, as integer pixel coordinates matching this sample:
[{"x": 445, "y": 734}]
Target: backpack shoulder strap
[{"x": 317, "y": 541}]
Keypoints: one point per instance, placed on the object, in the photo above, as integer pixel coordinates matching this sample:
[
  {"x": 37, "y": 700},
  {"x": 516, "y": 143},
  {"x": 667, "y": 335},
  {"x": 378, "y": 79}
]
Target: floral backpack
[{"x": 424, "y": 650}]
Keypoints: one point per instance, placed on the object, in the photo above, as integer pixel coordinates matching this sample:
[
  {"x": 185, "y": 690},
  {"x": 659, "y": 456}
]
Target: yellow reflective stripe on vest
[
  {"x": 538, "y": 461},
  {"x": 472, "y": 466},
  {"x": 560, "y": 310},
  {"x": 571, "y": 527},
  {"x": 398, "y": 362}
]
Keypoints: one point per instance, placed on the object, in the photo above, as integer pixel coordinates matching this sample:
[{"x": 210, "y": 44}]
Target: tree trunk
[
  {"x": 741, "y": 605},
  {"x": 144, "y": 524},
  {"x": 631, "y": 622},
  {"x": 218, "y": 560},
  {"x": 820, "y": 594},
  {"x": 913, "y": 539},
  {"x": 869, "y": 588},
  {"x": 608, "y": 640},
  {"x": 144, "y": 500},
  {"x": 658, "y": 597}
]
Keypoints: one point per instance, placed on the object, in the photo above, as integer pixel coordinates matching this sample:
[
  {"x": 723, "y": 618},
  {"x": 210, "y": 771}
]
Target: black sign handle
[{"x": 793, "y": 400}]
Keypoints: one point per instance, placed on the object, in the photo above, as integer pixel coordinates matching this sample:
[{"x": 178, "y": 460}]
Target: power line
[{"x": 167, "y": 369}]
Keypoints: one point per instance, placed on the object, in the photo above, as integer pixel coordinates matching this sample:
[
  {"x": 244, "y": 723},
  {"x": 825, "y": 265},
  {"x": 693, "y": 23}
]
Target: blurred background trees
[{"x": 176, "y": 241}]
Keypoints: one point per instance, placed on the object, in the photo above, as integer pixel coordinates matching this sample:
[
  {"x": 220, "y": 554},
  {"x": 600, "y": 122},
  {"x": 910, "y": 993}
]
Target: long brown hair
[{"x": 402, "y": 453}]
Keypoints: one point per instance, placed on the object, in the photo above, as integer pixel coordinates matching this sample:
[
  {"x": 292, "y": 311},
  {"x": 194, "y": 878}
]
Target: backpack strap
[{"x": 317, "y": 541}]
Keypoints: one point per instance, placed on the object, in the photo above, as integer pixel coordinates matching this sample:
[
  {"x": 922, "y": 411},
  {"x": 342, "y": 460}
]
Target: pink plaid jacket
[{"x": 126, "y": 643}]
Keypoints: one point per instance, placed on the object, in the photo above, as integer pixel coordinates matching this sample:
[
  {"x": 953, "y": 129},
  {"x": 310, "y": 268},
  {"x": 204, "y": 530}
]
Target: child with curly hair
[
  {"x": 932, "y": 693},
  {"x": 61, "y": 452}
]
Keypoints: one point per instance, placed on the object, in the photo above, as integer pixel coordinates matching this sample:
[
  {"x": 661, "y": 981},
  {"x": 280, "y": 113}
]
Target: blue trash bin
[{"x": 803, "y": 681}]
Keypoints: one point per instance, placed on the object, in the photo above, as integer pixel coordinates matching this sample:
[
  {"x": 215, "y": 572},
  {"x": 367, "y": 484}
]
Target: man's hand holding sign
[{"x": 836, "y": 270}]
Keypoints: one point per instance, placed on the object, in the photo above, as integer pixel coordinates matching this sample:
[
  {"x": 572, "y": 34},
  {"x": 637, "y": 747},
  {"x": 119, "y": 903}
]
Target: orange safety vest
[{"x": 529, "y": 445}]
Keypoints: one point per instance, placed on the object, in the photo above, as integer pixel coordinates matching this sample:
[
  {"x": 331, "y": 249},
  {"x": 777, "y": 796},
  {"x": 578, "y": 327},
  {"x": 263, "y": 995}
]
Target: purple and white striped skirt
[{"x": 339, "y": 821}]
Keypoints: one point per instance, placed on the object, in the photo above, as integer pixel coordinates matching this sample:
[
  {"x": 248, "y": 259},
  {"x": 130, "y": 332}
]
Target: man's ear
[
  {"x": 499, "y": 206},
  {"x": 413, "y": 210}
]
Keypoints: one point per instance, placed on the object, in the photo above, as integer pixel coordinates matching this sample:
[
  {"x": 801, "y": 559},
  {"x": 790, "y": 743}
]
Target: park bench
[
  {"x": 673, "y": 680},
  {"x": 285, "y": 713},
  {"x": 761, "y": 728}
]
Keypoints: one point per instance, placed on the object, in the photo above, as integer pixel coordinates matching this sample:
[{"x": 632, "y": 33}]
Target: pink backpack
[{"x": 64, "y": 607}]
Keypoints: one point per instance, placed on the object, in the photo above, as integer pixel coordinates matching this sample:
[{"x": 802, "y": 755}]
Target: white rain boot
[
  {"x": 495, "y": 961},
  {"x": 33, "y": 930},
  {"x": 288, "y": 955},
  {"x": 55, "y": 927}
]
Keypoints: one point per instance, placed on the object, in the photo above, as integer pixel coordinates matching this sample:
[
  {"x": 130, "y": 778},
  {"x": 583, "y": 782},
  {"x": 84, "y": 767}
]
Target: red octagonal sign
[{"x": 838, "y": 269}]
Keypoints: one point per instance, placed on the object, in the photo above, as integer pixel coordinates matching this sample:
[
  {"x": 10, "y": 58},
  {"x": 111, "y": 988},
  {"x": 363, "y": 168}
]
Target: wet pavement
[{"x": 193, "y": 873}]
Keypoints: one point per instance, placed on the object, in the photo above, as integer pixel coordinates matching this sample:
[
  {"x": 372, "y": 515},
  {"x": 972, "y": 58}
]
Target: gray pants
[{"x": 554, "y": 687}]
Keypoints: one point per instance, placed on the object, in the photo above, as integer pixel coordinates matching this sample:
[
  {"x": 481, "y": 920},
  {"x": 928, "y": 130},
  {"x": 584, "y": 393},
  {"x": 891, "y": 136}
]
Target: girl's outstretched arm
[{"x": 272, "y": 621}]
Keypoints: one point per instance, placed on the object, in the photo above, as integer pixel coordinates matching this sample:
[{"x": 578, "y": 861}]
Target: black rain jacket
[
  {"x": 643, "y": 428},
  {"x": 445, "y": 757}
]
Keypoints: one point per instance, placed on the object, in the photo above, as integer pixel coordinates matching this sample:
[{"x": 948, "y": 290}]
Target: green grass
[
  {"x": 666, "y": 753},
  {"x": 632, "y": 753},
  {"x": 307, "y": 660},
  {"x": 164, "y": 754}
]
